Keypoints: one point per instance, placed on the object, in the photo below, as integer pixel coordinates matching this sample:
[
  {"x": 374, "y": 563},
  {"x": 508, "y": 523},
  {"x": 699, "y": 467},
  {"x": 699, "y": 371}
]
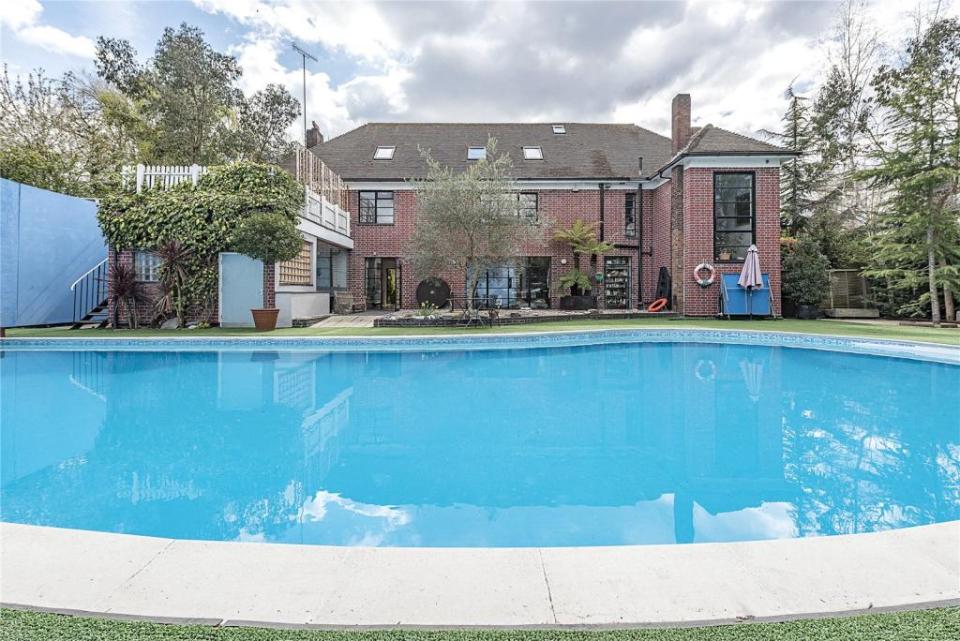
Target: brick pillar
[
  {"x": 269, "y": 286},
  {"x": 680, "y": 121},
  {"x": 676, "y": 239}
]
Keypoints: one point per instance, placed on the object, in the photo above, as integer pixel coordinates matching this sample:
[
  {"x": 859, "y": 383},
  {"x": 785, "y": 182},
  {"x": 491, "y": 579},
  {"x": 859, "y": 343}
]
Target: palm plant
[
  {"x": 175, "y": 260},
  {"x": 582, "y": 239},
  {"x": 126, "y": 293}
]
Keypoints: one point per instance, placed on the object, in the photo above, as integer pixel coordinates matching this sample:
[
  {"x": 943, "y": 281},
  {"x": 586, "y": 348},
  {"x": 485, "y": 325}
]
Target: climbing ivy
[{"x": 204, "y": 218}]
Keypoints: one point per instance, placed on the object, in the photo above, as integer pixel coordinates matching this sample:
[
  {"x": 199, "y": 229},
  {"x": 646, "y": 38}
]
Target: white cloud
[
  {"x": 58, "y": 41},
  {"x": 22, "y": 17},
  {"x": 513, "y": 61},
  {"x": 356, "y": 28}
]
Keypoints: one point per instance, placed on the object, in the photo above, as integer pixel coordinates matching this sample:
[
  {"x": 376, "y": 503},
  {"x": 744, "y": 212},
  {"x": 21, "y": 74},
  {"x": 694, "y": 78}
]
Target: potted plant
[
  {"x": 269, "y": 238},
  {"x": 582, "y": 239},
  {"x": 805, "y": 277}
]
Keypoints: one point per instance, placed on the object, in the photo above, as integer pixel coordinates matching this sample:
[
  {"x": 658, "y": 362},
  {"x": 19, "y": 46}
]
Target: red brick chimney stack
[
  {"x": 314, "y": 137},
  {"x": 680, "y": 121}
]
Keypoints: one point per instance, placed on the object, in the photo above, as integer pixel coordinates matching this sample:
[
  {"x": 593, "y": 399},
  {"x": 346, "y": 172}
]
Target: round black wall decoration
[{"x": 433, "y": 290}]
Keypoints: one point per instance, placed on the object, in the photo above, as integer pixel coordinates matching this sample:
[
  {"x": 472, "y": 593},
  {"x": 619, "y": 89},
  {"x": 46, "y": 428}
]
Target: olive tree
[{"x": 470, "y": 221}]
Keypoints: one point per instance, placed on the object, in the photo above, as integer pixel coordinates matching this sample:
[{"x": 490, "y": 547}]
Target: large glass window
[
  {"x": 630, "y": 215},
  {"x": 734, "y": 214},
  {"x": 331, "y": 268},
  {"x": 509, "y": 286},
  {"x": 376, "y": 207},
  {"x": 146, "y": 265},
  {"x": 527, "y": 206}
]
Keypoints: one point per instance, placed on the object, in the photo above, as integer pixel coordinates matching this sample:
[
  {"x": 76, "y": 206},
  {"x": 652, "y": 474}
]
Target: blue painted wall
[{"x": 47, "y": 241}]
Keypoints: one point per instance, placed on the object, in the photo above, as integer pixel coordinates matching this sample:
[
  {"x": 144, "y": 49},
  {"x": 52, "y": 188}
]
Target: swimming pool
[{"x": 567, "y": 441}]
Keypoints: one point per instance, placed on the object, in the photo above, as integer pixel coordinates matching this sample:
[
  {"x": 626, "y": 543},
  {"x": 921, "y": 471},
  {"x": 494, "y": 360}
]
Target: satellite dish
[{"x": 433, "y": 290}]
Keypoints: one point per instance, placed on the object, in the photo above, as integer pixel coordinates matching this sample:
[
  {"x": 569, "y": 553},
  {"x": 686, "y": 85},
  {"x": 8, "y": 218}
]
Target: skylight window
[
  {"x": 532, "y": 153},
  {"x": 384, "y": 153},
  {"x": 476, "y": 153},
  {"x": 559, "y": 129}
]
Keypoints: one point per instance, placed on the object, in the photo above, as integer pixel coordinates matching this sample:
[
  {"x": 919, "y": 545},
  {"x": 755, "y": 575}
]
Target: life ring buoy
[
  {"x": 710, "y": 269},
  {"x": 657, "y": 305}
]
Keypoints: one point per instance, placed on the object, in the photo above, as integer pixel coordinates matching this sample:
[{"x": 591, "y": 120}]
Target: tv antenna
[{"x": 303, "y": 56}]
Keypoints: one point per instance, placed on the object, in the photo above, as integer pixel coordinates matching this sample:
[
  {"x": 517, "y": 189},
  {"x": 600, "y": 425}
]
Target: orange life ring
[{"x": 657, "y": 305}]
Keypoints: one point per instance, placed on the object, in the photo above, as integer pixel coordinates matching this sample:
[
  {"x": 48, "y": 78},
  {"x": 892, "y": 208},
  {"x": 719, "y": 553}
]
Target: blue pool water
[{"x": 586, "y": 445}]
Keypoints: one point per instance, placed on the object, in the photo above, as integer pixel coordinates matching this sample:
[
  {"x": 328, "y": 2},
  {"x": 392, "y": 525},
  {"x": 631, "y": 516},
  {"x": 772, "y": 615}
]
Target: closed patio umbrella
[{"x": 750, "y": 276}]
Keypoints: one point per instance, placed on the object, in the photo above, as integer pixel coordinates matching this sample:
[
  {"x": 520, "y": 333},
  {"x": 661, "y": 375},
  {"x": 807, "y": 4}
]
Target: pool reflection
[{"x": 570, "y": 446}]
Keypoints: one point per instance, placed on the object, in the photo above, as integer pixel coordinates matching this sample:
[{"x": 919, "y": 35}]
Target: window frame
[
  {"x": 153, "y": 269},
  {"x": 482, "y": 150},
  {"x": 559, "y": 130},
  {"x": 536, "y": 206},
  {"x": 392, "y": 148},
  {"x": 635, "y": 210},
  {"x": 376, "y": 206},
  {"x": 539, "y": 149},
  {"x": 753, "y": 212}
]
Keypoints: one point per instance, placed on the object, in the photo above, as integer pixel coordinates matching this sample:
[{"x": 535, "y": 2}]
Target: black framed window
[
  {"x": 527, "y": 206},
  {"x": 630, "y": 215},
  {"x": 508, "y": 286},
  {"x": 734, "y": 215},
  {"x": 376, "y": 207}
]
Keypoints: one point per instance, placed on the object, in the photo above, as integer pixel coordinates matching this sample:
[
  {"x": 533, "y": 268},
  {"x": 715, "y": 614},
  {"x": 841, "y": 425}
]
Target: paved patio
[
  {"x": 361, "y": 319},
  {"x": 225, "y": 583}
]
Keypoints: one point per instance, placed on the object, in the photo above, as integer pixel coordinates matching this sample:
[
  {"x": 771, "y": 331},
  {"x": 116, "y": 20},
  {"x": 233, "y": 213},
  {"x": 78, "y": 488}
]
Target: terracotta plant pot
[{"x": 265, "y": 319}]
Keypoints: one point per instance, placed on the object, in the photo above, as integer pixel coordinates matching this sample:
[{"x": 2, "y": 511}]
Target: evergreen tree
[
  {"x": 919, "y": 164},
  {"x": 799, "y": 177}
]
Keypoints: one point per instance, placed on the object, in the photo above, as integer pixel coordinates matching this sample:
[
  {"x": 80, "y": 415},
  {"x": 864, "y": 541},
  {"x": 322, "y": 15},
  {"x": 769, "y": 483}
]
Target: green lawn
[
  {"x": 925, "y": 625},
  {"x": 926, "y": 334}
]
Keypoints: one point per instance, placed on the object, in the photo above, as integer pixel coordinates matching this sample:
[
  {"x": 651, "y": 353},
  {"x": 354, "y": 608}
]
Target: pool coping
[
  {"x": 936, "y": 352},
  {"x": 302, "y": 586}
]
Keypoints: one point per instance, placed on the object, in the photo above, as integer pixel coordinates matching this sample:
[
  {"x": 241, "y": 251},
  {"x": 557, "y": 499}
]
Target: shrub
[
  {"x": 203, "y": 219},
  {"x": 270, "y": 238},
  {"x": 805, "y": 278}
]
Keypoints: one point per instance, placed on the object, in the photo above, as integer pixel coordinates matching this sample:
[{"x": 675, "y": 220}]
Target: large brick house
[{"x": 704, "y": 195}]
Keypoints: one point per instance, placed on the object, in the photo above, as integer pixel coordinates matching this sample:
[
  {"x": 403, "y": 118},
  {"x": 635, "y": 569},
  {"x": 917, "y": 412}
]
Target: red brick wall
[
  {"x": 656, "y": 231},
  {"x": 145, "y": 310},
  {"x": 698, "y": 237},
  {"x": 562, "y": 207}
]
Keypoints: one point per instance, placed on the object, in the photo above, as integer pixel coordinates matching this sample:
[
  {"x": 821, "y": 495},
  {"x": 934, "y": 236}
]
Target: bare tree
[{"x": 471, "y": 221}]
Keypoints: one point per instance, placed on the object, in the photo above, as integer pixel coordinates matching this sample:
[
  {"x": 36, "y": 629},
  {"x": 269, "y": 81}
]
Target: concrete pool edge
[
  {"x": 934, "y": 352},
  {"x": 226, "y": 583}
]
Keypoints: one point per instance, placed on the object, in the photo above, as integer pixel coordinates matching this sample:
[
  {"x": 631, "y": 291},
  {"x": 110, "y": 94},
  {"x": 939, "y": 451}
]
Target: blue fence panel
[{"x": 47, "y": 241}]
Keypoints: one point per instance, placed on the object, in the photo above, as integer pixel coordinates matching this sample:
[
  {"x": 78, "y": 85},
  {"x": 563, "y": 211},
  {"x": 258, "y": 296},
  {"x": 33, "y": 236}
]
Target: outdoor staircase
[{"x": 91, "y": 301}]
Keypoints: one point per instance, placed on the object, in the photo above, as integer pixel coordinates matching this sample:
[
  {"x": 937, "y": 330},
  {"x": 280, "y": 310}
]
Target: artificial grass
[
  {"x": 838, "y": 328},
  {"x": 927, "y": 625}
]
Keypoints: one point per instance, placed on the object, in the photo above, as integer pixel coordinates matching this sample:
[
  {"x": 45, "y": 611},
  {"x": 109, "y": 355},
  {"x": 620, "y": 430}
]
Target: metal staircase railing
[{"x": 90, "y": 296}]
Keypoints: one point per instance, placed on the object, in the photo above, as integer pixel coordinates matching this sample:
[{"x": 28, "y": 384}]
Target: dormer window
[
  {"x": 476, "y": 153},
  {"x": 559, "y": 129},
  {"x": 532, "y": 153},
  {"x": 384, "y": 153}
]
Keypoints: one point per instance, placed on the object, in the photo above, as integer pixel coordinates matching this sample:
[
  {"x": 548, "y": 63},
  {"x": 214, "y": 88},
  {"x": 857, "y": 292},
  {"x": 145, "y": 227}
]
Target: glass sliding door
[
  {"x": 509, "y": 286},
  {"x": 374, "y": 282}
]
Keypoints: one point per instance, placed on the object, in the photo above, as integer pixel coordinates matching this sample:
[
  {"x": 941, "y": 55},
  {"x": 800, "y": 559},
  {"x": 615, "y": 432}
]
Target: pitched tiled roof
[
  {"x": 586, "y": 151},
  {"x": 710, "y": 140}
]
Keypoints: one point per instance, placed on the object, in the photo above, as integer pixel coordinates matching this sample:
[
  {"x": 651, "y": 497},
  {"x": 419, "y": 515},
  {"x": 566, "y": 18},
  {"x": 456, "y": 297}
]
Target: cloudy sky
[{"x": 479, "y": 61}]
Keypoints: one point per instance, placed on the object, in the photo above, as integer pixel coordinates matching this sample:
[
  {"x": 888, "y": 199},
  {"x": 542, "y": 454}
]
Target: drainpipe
[
  {"x": 638, "y": 213},
  {"x": 603, "y": 189}
]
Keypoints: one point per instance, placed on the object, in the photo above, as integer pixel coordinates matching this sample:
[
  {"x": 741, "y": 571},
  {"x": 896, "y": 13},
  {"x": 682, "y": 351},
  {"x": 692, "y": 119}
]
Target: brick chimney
[
  {"x": 314, "y": 137},
  {"x": 680, "y": 121}
]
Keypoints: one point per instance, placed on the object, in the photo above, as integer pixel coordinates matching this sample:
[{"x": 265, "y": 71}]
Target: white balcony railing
[{"x": 326, "y": 193}]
